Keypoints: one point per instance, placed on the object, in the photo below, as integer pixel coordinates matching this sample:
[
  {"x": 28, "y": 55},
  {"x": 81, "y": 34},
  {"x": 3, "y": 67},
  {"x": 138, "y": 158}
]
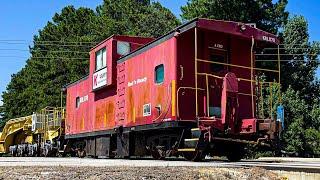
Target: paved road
[{"x": 309, "y": 166}]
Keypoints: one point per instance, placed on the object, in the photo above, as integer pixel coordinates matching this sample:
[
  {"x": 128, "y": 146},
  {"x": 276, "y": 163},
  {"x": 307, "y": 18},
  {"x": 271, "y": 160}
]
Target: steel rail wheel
[
  {"x": 158, "y": 153},
  {"x": 81, "y": 153}
]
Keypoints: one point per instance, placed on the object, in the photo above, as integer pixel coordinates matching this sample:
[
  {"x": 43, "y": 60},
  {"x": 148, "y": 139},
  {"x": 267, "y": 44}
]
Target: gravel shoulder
[{"x": 144, "y": 173}]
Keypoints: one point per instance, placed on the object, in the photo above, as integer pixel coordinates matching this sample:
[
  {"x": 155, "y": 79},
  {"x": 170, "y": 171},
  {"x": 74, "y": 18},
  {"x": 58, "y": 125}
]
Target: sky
[{"x": 20, "y": 20}]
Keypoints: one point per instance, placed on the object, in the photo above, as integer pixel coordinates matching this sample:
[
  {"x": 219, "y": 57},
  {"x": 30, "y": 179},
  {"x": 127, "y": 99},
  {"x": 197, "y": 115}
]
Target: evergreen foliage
[
  {"x": 301, "y": 90},
  {"x": 267, "y": 15}
]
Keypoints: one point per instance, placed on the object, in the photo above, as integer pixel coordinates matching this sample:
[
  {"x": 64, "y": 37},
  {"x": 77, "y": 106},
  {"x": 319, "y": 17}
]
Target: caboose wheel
[
  {"x": 158, "y": 154},
  {"x": 81, "y": 153},
  {"x": 234, "y": 157},
  {"x": 235, "y": 153}
]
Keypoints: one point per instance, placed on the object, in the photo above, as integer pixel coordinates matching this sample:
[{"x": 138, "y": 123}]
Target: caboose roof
[
  {"x": 121, "y": 37},
  {"x": 228, "y": 27}
]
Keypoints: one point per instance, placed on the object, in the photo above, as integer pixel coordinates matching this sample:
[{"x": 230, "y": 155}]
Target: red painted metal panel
[
  {"x": 78, "y": 117},
  {"x": 238, "y": 53},
  {"x": 249, "y": 126},
  {"x": 137, "y": 87},
  {"x": 185, "y": 76}
]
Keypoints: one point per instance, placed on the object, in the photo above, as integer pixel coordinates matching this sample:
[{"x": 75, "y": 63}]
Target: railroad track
[
  {"x": 309, "y": 167},
  {"x": 296, "y": 166}
]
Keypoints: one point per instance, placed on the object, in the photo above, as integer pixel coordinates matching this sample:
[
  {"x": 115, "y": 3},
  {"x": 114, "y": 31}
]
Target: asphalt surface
[{"x": 274, "y": 164}]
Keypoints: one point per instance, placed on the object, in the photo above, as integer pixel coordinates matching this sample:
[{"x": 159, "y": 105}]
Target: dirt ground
[{"x": 143, "y": 173}]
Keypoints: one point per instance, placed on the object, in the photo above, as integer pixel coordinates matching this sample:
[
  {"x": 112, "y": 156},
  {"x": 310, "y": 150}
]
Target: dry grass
[{"x": 144, "y": 173}]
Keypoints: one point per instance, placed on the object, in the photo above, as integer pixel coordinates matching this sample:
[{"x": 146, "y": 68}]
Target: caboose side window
[
  {"x": 101, "y": 59},
  {"x": 219, "y": 56},
  {"x": 216, "y": 58},
  {"x": 159, "y": 74},
  {"x": 123, "y": 48},
  {"x": 77, "y": 102}
]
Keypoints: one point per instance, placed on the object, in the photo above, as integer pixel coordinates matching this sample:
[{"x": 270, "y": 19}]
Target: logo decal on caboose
[{"x": 99, "y": 78}]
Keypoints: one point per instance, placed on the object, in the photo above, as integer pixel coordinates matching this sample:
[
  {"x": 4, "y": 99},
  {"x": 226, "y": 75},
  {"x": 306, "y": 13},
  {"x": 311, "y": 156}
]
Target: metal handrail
[
  {"x": 266, "y": 84},
  {"x": 235, "y": 65}
]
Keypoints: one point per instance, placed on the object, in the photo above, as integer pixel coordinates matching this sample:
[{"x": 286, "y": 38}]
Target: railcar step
[
  {"x": 193, "y": 139},
  {"x": 191, "y": 143},
  {"x": 187, "y": 150},
  {"x": 195, "y": 133}
]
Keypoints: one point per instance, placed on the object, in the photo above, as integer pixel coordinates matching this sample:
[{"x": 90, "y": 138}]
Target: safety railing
[
  {"x": 50, "y": 120},
  {"x": 251, "y": 68},
  {"x": 260, "y": 86}
]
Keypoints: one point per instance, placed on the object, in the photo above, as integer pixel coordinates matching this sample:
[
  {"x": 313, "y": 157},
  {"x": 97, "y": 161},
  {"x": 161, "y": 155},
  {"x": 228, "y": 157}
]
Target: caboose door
[{"x": 210, "y": 78}]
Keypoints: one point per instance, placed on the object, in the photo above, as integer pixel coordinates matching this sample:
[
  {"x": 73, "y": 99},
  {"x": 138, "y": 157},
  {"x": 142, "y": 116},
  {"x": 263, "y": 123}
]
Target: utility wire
[
  {"x": 291, "y": 48},
  {"x": 314, "y": 54},
  {"x": 83, "y": 42},
  {"x": 48, "y": 44},
  {"x": 56, "y": 51},
  {"x": 281, "y": 60},
  {"x": 270, "y": 60},
  {"x": 92, "y": 42},
  {"x": 41, "y": 57},
  {"x": 295, "y": 44}
]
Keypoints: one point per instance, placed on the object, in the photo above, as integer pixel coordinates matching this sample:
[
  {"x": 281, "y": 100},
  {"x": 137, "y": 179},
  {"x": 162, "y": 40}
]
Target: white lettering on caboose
[
  {"x": 137, "y": 81},
  {"x": 269, "y": 39}
]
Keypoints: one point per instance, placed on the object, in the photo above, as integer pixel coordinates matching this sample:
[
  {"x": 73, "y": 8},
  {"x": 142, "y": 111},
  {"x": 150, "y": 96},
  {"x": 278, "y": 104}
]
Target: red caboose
[{"x": 191, "y": 92}]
